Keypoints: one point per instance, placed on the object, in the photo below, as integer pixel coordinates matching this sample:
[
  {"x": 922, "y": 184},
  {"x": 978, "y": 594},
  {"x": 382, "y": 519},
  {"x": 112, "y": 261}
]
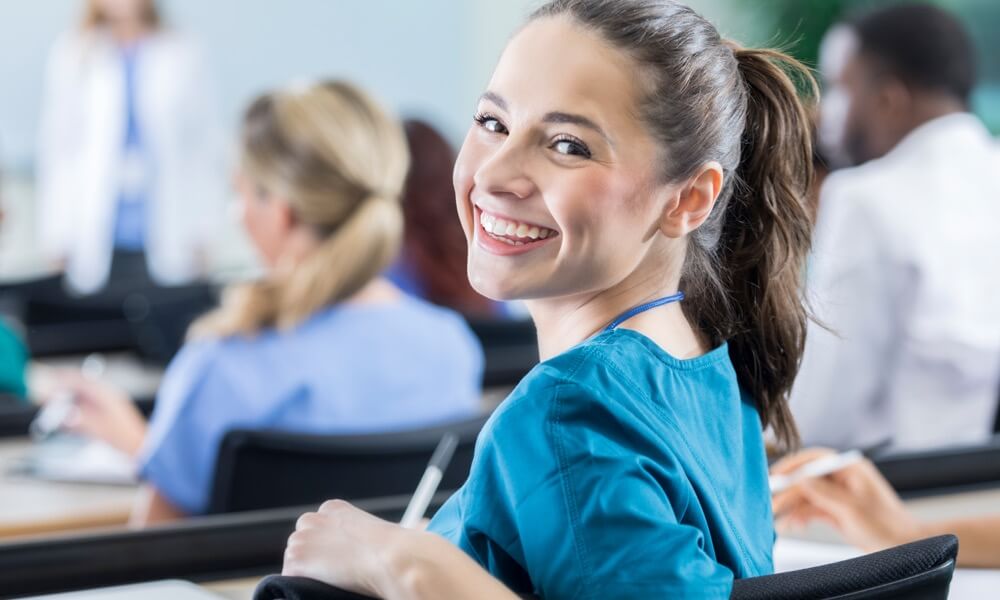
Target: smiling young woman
[{"x": 640, "y": 182}]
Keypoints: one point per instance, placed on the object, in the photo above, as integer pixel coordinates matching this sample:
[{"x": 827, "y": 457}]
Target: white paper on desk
[
  {"x": 170, "y": 589},
  {"x": 78, "y": 460},
  {"x": 791, "y": 554}
]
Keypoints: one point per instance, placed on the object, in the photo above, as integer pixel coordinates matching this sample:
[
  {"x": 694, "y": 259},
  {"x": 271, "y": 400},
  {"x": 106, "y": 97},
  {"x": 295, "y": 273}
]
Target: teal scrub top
[
  {"x": 615, "y": 470},
  {"x": 13, "y": 360}
]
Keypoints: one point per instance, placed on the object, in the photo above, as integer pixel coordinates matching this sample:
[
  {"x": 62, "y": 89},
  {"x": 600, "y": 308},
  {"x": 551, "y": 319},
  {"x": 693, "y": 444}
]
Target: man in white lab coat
[{"x": 906, "y": 265}]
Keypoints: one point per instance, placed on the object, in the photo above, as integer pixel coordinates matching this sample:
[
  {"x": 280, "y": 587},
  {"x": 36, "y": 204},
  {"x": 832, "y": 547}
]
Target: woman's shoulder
[
  {"x": 613, "y": 371},
  {"x": 579, "y": 376}
]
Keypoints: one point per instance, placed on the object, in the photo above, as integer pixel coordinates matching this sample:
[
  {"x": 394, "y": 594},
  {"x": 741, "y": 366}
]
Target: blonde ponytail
[{"x": 341, "y": 162}]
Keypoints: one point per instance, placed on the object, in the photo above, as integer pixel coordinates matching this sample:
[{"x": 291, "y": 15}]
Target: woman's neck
[
  {"x": 378, "y": 291},
  {"x": 566, "y": 321},
  {"x": 128, "y": 33}
]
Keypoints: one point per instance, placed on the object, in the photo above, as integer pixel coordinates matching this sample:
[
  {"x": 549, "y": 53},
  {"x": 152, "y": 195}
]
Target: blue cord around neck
[{"x": 628, "y": 314}]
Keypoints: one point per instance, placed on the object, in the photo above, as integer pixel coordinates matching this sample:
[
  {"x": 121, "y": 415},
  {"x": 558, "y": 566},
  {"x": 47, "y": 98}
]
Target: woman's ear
[
  {"x": 281, "y": 212},
  {"x": 692, "y": 203}
]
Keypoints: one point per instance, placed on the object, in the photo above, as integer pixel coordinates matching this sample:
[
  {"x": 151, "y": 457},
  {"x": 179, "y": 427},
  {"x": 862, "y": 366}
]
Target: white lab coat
[
  {"x": 906, "y": 272},
  {"x": 81, "y": 148}
]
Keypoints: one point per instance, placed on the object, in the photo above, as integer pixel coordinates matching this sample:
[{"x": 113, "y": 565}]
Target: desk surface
[
  {"x": 234, "y": 589},
  {"x": 30, "y": 506}
]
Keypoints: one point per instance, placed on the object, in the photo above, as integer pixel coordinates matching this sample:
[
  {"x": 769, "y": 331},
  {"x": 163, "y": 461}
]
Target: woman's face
[
  {"x": 556, "y": 183},
  {"x": 123, "y": 11},
  {"x": 265, "y": 219}
]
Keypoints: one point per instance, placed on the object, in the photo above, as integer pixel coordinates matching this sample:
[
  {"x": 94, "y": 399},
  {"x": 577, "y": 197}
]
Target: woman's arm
[
  {"x": 864, "y": 508},
  {"x": 978, "y": 537},
  {"x": 346, "y": 547},
  {"x": 152, "y": 508}
]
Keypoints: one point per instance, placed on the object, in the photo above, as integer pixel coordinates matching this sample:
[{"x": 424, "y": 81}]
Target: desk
[
  {"x": 967, "y": 584},
  {"x": 234, "y": 589},
  {"x": 30, "y": 506}
]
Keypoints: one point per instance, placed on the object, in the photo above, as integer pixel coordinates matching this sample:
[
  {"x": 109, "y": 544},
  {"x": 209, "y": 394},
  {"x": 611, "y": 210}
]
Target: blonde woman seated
[{"x": 322, "y": 343}]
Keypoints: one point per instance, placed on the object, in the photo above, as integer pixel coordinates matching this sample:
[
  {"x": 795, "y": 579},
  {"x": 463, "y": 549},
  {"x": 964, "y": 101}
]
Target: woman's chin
[{"x": 487, "y": 283}]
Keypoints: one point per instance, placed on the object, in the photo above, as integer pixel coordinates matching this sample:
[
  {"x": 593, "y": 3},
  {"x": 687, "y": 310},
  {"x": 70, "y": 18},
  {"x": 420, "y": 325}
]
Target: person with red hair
[{"x": 432, "y": 262}]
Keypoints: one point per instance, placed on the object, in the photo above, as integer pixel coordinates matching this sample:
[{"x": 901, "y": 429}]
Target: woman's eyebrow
[
  {"x": 551, "y": 117},
  {"x": 495, "y": 98},
  {"x": 572, "y": 119}
]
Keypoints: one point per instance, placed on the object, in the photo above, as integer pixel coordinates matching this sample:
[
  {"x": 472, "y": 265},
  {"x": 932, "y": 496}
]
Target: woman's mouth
[{"x": 506, "y": 236}]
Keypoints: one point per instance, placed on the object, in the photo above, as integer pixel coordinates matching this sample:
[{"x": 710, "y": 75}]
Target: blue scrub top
[
  {"x": 618, "y": 471},
  {"x": 348, "y": 369}
]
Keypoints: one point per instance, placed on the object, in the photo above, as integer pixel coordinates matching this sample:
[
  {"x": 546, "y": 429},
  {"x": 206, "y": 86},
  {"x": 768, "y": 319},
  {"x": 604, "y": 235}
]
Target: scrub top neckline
[{"x": 713, "y": 356}]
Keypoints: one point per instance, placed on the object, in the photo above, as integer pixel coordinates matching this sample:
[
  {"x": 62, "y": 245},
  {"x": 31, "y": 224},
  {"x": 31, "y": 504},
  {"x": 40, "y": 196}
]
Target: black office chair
[
  {"x": 996, "y": 420},
  {"x": 927, "y": 472},
  {"x": 918, "y": 571},
  {"x": 307, "y": 469},
  {"x": 510, "y": 349},
  {"x": 210, "y": 548}
]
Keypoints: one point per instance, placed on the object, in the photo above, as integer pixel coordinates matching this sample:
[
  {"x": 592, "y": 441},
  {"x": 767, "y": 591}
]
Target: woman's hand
[
  {"x": 856, "y": 500},
  {"x": 346, "y": 547},
  {"x": 343, "y": 546},
  {"x": 104, "y": 412}
]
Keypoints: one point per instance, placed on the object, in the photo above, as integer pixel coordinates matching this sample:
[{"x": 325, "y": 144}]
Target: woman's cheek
[{"x": 463, "y": 179}]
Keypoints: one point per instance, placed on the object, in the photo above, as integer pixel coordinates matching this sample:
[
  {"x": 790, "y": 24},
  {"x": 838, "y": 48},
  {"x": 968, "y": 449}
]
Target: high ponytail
[
  {"x": 707, "y": 99},
  {"x": 341, "y": 163}
]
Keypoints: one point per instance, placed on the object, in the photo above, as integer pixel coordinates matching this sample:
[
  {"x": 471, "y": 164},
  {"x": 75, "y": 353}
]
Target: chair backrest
[
  {"x": 211, "y": 548},
  {"x": 996, "y": 420},
  {"x": 922, "y": 472},
  {"x": 268, "y": 469},
  {"x": 510, "y": 349},
  {"x": 918, "y": 571}
]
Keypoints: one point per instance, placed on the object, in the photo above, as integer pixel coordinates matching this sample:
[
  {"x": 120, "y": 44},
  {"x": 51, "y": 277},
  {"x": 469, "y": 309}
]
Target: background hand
[
  {"x": 103, "y": 412},
  {"x": 857, "y": 501}
]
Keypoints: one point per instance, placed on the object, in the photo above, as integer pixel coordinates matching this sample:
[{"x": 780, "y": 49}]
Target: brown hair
[
  {"x": 433, "y": 242},
  {"x": 340, "y": 160},
  {"x": 708, "y": 99},
  {"x": 94, "y": 17}
]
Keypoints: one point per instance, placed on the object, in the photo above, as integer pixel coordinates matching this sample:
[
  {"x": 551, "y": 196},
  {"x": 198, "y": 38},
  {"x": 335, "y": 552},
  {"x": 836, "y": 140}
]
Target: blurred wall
[{"x": 429, "y": 57}]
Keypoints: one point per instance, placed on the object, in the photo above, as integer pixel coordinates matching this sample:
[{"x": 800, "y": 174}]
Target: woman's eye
[
  {"x": 490, "y": 124},
  {"x": 571, "y": 147}
]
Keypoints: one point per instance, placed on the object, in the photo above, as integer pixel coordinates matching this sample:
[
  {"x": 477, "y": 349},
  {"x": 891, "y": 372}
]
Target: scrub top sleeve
[
  {"x": 178, "y": 454},
  {"x": 603, "y": 521}
]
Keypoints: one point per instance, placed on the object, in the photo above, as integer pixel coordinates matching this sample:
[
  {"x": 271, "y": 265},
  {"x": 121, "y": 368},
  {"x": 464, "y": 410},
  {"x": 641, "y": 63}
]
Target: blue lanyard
[{"x": 628, "y": 314}]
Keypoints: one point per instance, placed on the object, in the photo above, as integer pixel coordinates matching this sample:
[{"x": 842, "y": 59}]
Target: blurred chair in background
[
  {"x": 271, "y": 469},
  {"x": 432, "y": 263},
  {"x": 129, "y": 167},
  {"x": 905, "y": 252}
]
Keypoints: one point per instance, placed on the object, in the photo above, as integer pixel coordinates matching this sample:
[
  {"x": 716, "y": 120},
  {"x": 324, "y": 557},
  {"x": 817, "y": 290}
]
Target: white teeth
[{"x": 501, "y": 227}]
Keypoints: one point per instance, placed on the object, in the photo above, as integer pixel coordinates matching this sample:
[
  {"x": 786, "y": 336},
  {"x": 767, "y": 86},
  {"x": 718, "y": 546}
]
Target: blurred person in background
[
  {"x": 13, "y": 353},
  {"x": 432, "y": 262},
  {"x": 859, "y": 503},
  {"x": 129, "y": 170},
  {"x": 904, "y": 265},
  {"x": 322, "y": 343}
]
